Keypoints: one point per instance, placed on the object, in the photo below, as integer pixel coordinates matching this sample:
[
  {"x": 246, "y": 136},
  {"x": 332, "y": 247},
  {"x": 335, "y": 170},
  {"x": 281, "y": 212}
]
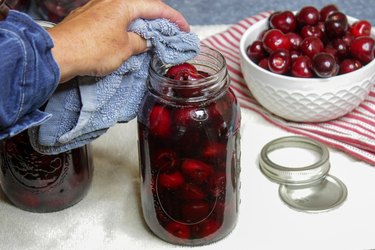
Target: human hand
[{"x": 92, "y": 40}]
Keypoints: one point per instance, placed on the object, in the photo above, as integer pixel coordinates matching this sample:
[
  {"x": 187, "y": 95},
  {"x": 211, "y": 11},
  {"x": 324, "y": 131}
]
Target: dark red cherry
[
  {"x": 171, "y": 180},
  {"x": 255, "y": 51},
  {"x": 360, "y": 28},
  {"x": 217, "y": 184},
  {"x": 311, "y": 46},
  {"x": 284, "y": 21},
  {"x": 308, "y": 15},
  {"x": 196, "y": 170},
  {"x": 294, "y": 54},
  {"x": 179, "y": 230},
  {"x": 207, "y": 228},
  {"x": 336, "y": 25},
  {"x": 191, "y": 191},
  {"x": 349, "y": 65},
  {"x": 326, "y": 11},
  {"x": 295, "y": 40},
  {"x": 214, "y": 150},
  {"x": 302, "y": 67},
  {"x": 342, "y": 50},
  {"x": 362, "y": 48},
  {"x": 181, "y": 71},
  {"x": 348, "y": 38},
  {"x": 274, "y": 39},
  {"x": 164, "y": 159},
  {"x": 324, "y": 65},
  {"x": 194, "y": 211},
  {"x": 264, "y": 63},
  {"x": 309, "y": 30},
  {"x": 160, "y": 121},
  {"x": 279, "y": 61}
]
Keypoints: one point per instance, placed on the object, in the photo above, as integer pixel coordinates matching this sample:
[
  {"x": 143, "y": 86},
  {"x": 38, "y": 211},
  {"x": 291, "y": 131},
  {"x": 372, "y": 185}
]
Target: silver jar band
[
  {"x": 295, "y": 176},
  {"x": 305, "y": 188}
]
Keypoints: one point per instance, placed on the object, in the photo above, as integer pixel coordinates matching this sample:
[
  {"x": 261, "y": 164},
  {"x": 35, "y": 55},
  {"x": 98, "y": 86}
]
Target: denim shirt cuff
[{"x": 32, "y": 77}]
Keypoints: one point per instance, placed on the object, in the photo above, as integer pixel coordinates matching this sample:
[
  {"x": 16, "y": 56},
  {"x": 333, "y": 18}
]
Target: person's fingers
[
  {"x": 157, "y": 9},
  {"x": 137, "y": 43}
]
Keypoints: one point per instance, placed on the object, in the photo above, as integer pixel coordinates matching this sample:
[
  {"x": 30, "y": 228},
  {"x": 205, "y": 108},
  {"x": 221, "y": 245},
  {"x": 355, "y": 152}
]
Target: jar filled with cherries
[
  {"x": 21, "y": 5},
  {"x": 313, "y": 43},
  {"x": 43, "y": 183},
  {"x": 189, "y": 148}
]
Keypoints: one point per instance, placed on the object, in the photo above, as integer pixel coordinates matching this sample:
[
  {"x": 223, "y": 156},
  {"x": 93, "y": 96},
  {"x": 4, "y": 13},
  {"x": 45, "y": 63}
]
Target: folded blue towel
[{"x": 85, "y": 109}]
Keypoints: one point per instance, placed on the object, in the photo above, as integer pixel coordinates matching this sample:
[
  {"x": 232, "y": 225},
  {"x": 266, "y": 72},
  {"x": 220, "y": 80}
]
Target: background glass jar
[
  {"x": 21, "y": 5},
  {"x": 189, "y": 147},
  {"x": 56, "y": 10},
  {"x": 43, "y": 183}
]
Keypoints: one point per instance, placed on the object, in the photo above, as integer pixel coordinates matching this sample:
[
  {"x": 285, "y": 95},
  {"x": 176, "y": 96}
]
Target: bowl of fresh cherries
[{"x": 310, "y": 65}]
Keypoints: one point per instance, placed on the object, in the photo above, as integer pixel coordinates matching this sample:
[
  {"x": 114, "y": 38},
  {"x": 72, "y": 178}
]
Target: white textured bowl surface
[{"x": 304, "y": 99}]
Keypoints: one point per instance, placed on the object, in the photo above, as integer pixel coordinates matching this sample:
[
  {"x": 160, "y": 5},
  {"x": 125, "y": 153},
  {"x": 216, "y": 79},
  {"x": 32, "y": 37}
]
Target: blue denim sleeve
[{"x": 28, "y": 73}]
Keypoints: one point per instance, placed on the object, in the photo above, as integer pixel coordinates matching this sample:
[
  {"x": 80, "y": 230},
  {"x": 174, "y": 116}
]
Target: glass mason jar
[
  {"x": 56, "y": 10},
  {"x": 189, "y": 151},
  {"x": 43, "y": 183},
  {"x": 21, "y": 5}
]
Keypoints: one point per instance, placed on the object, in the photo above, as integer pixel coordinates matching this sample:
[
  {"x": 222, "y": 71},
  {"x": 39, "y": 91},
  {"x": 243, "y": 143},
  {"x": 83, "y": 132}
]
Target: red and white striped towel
[{"x": 353, "y": 133}]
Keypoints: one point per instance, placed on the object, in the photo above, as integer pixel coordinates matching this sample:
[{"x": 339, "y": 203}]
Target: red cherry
[
  {"x": 294, "y": 54},
  {"x": 279, "y": 61},
  {"x": 274, "y": 39},
  {"x": 360, "y": 28},
  {"x": 217, "y": 184},
  {"x": 196, "y": 170},
  {"x": 302, "y": 67},
  {"x": 324, "y": 65},
  {"x": 214, "y": 150},
  {"x": 284, "y": 21},
  {"x": 264, "y": 63},
  {"x": 171, "y": 180},
  {"x": 308, "y": 15},
  {"x": 342, "y": 50},
  {"x": 311, "y": 46},
  {"x": 191, "y": 191},
  {"x": 164, "y": 159},
  {"x": 336, "y": 25},
  {"x": 347, "y": 38},
  {"x": 349, "y": 65},
  {"x": 181, "y": 71},
  {"x": 362, "y": 48},
  {"x": 184, "y": 117},
  {"x": 207, "y": 228},
  {"x": 326, "y": 11},
  {"x": 309, "y": 30},
  {"x": 295, "y": 40},
  {"x": 179, "y": 230},
  {"x": 255, "y": 51},
  {"x": 194, "y": 211},
  {"x": 160, "y": 121}
]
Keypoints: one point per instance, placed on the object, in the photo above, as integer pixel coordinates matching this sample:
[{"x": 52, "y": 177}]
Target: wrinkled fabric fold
[{"x": 85, "y": 109}]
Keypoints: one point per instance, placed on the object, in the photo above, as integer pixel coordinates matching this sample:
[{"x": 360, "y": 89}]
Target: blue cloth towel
[{"x": 85, "y": 109}]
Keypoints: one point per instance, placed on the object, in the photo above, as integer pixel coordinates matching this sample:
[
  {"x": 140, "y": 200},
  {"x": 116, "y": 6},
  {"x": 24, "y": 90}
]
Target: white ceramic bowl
[{"x": 301, "y": 99}]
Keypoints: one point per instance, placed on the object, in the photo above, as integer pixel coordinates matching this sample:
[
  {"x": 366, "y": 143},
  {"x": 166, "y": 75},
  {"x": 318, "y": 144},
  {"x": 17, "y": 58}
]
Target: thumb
[{"x": 137, "y": 43}]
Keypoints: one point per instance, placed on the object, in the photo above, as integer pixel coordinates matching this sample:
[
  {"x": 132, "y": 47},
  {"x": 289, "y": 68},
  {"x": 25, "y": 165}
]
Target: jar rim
[{"x": 218, "y": 74}]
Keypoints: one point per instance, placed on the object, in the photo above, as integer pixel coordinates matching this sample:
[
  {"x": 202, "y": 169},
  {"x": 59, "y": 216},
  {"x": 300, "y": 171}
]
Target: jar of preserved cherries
[
  {"x": 189, "y": 150},
  {"x": 56, "y": 10},
  {"x": 43, "y": 183},
  {"x": 21, "y": 5}
]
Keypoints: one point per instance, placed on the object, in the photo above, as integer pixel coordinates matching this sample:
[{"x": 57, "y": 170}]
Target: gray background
[{"x": 201, "y": 12}]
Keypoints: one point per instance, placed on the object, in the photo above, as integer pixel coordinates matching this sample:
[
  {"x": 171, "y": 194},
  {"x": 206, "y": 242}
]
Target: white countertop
[{"x": 110, "y": 216}]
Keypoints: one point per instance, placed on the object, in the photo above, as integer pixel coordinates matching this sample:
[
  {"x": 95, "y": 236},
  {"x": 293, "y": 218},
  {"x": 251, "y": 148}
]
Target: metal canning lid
[{"x": 306, "y": 188}]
